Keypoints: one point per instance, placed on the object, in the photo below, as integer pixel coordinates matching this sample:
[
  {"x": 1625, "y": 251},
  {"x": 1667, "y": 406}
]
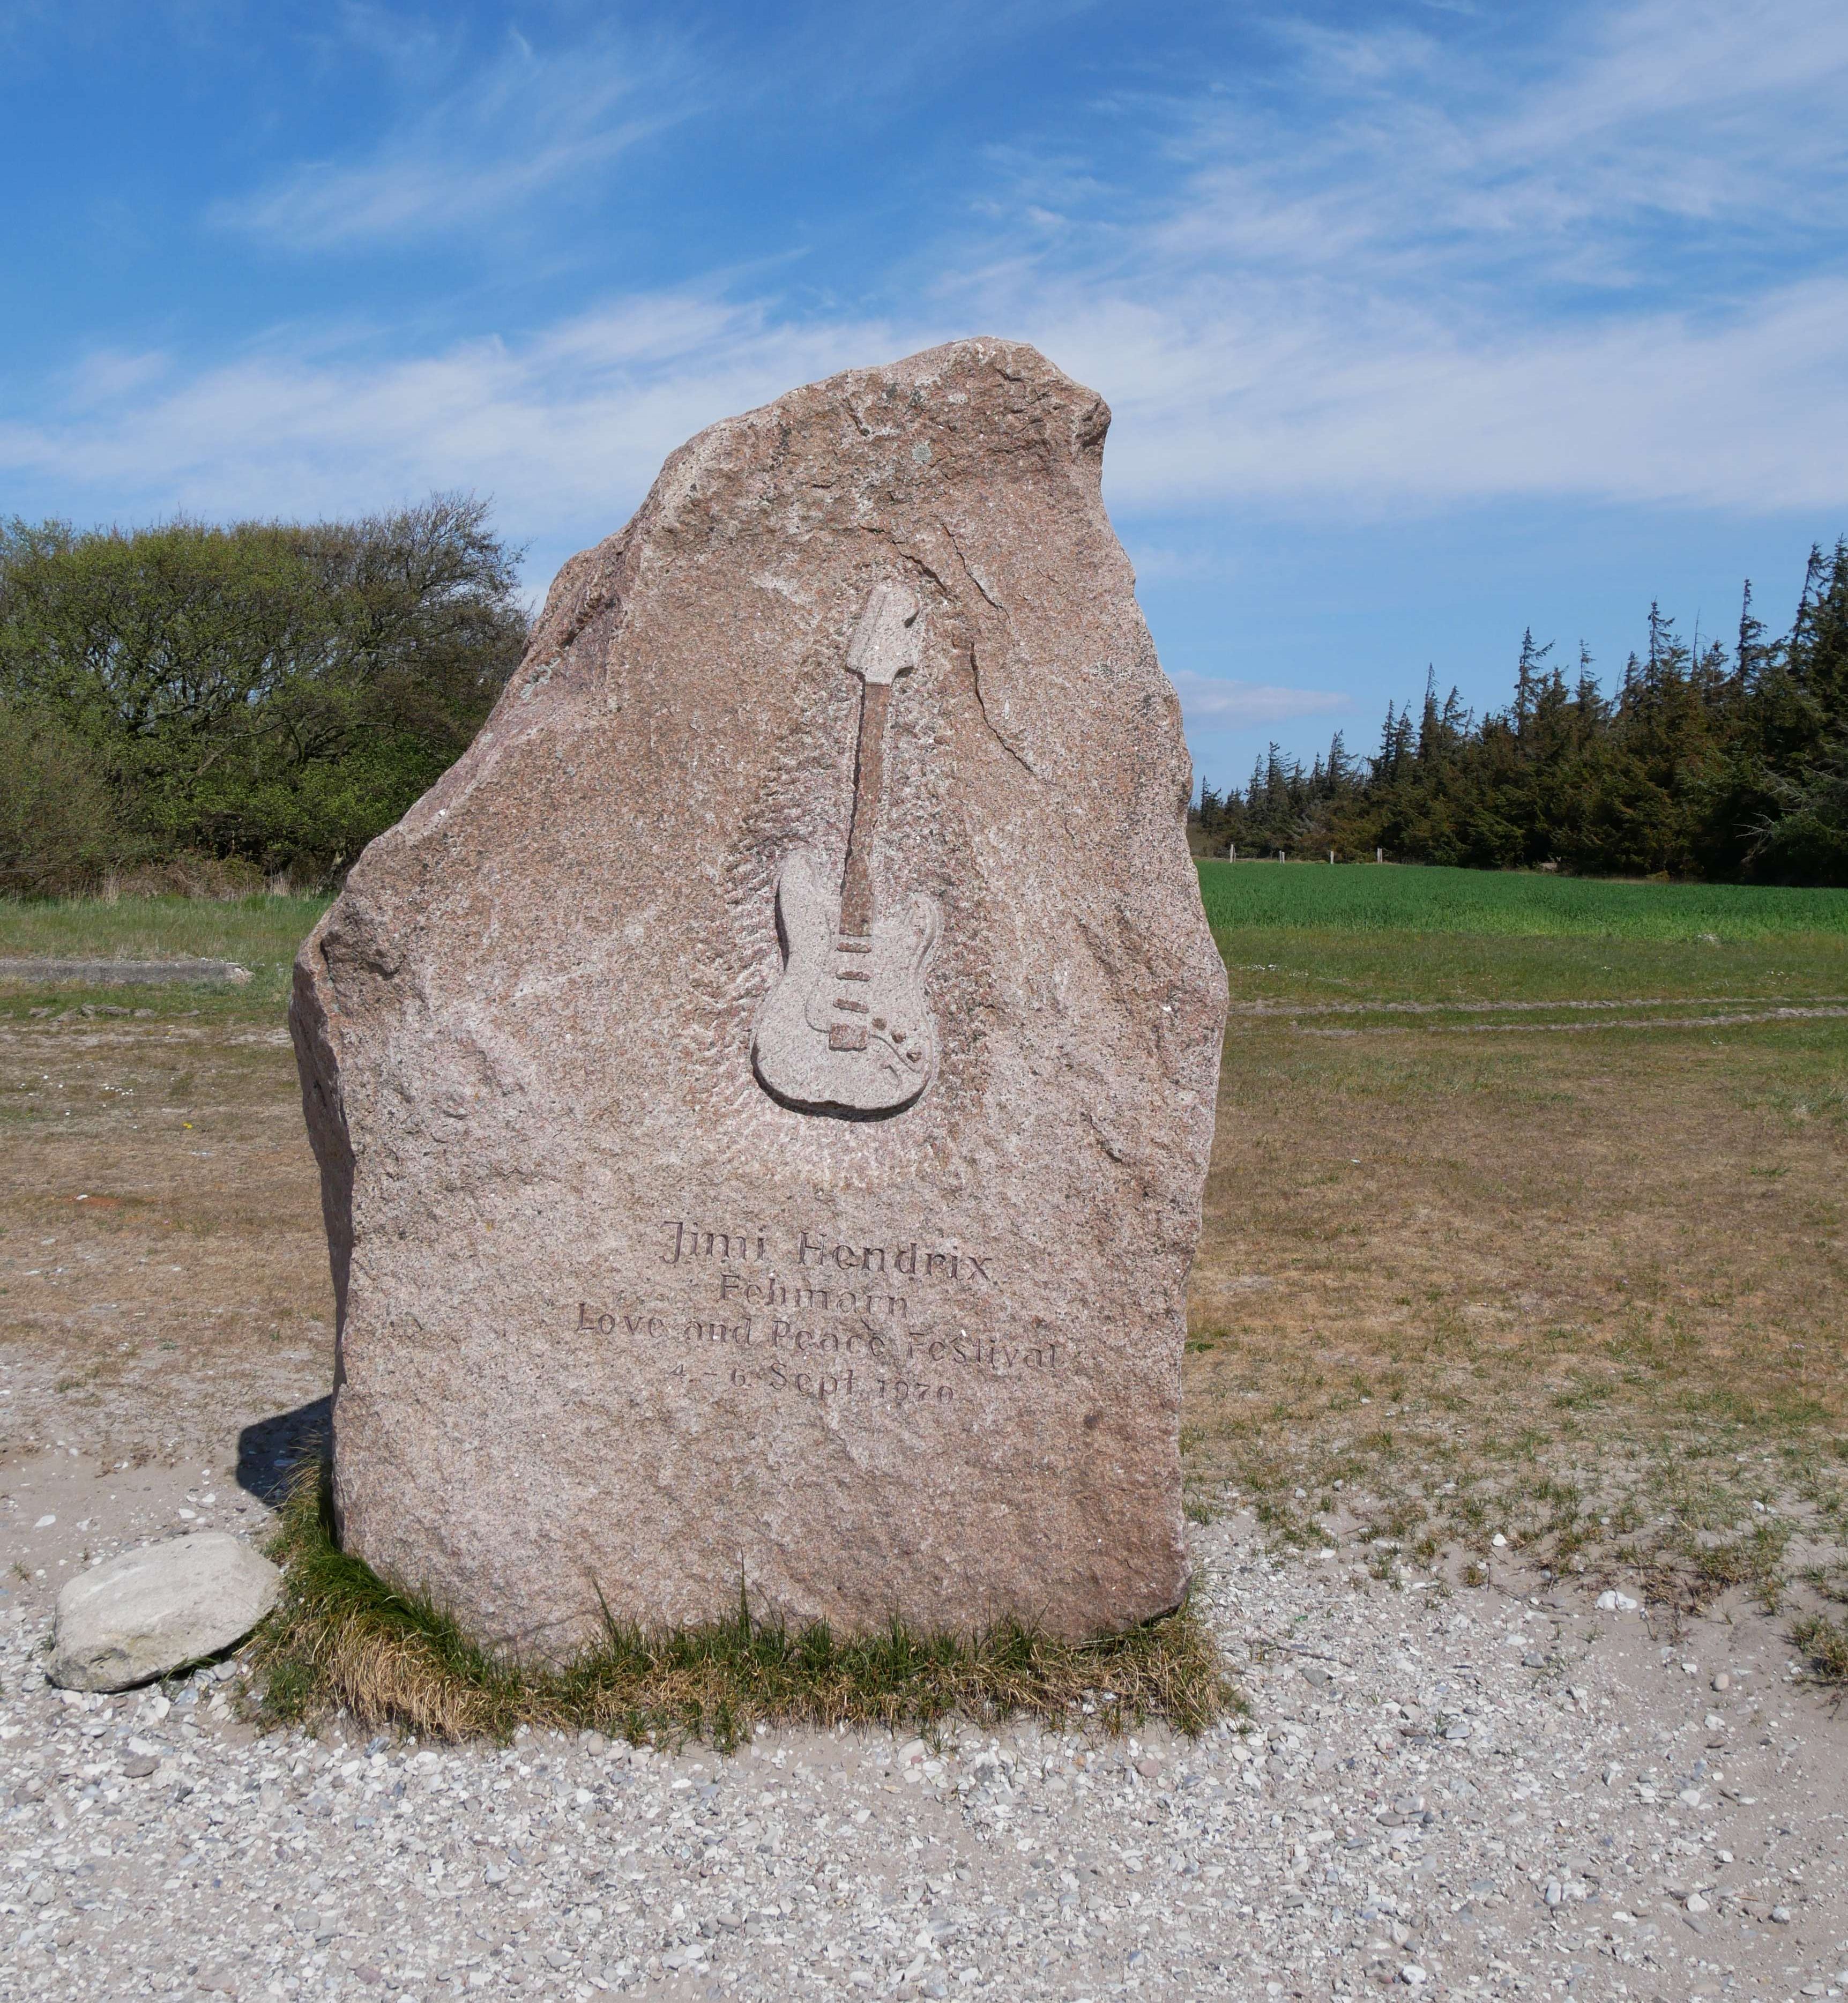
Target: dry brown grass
[
  {"x": 1466, "y": 1272},
  {"x": 1475, "y": 1273},
  {"x": 1824, "y": 1642},
  {"x": 161, "y": 1264}
]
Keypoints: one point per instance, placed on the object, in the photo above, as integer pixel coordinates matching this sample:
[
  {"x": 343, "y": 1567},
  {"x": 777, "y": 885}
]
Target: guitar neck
[{"x": 869, "y": 786}]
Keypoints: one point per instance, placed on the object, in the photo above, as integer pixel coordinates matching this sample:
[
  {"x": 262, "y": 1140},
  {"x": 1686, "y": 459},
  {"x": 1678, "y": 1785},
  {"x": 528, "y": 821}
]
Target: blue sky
[{"x": 1423, "y": 321}]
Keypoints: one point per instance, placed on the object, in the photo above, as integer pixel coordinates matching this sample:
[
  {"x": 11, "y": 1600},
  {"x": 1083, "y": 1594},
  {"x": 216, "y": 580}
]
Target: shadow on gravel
[{"x": 270, "y": 1450}]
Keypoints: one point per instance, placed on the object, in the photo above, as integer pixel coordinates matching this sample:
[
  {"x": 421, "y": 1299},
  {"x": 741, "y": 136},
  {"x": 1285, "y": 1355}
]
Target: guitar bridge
[{"x": 845, "y": 1036}]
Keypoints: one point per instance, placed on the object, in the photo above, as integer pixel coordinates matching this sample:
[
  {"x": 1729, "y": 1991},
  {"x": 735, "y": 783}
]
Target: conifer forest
[{"x": 1706, "y": 760}]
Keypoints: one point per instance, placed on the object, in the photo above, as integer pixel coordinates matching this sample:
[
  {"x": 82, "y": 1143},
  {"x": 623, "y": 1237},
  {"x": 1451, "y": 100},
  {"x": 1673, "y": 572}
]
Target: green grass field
[
  {"x": 1296, "y": 931},
  {"x": 252, "y": 930},
  {"x": 1242, "y": 897},
  {"x": 261, "y": 933}
]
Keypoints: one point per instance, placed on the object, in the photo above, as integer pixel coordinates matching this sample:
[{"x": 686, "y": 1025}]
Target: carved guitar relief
[{"x": 846, "y": 1029}]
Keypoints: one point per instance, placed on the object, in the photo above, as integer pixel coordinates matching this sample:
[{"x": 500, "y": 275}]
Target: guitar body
[{"x": 846, "y": 1029}]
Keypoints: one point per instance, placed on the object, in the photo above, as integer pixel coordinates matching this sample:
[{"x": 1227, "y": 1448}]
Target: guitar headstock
[{"x": 887, "y": 643}]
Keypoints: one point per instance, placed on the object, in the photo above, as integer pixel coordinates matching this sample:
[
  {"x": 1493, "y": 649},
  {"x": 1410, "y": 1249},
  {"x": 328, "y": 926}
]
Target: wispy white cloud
[
  {"x": 1225, "y": 394},
  {"x": 1612, "y": 264},
  {"x": 1210, "y": 702},
  {"x": 1216, "y": 401},
  {"x": 566, "y": 429},
  {"x": 1442, "y": 279},
  {"x": 1406, "y": 158},
  {"x": 107, "y": 378},
  {"x": 523, "y": 126},
  {"x": 480, "y": 141}
]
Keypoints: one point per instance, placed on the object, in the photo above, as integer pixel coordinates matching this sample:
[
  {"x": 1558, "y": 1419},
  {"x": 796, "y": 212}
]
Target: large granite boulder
[
  {"x": 763, "y": 1091},
  {"x": 153, "y": 1610}
]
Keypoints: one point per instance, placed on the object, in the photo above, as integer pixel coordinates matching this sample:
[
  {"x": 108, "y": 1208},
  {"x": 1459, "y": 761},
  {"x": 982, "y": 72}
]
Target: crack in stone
[{"x": 975, "y": 671}]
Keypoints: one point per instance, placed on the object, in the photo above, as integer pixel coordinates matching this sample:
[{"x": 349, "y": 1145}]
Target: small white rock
[{"x": 153, "y": 1610}]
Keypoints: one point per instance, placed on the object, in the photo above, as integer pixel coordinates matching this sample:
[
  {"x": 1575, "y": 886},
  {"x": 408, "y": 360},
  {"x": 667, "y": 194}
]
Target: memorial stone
[{"x": 763, "y": 1091}]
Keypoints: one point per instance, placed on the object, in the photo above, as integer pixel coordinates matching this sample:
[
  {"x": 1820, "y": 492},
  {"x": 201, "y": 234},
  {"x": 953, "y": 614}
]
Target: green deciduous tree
[
  {"x": 274, "y": 692},
  {"x": 59, "y": 828}
]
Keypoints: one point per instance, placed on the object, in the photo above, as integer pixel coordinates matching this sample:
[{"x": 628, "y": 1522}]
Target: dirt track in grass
[
  {"x": 164, "y": 1276},
  {"x": 1583, "y": 1292}
]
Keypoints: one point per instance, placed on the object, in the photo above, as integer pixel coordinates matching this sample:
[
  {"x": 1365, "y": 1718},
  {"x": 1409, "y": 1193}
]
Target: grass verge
[
  {"x": 260, "y": 933},
  {"x": 1825, "y": 1643},
  {"x": 341, "y": 1639}
]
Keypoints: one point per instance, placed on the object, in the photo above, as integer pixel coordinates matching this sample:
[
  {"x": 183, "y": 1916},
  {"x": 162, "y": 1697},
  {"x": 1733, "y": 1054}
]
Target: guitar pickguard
[{"x": 846, "y": 1029}]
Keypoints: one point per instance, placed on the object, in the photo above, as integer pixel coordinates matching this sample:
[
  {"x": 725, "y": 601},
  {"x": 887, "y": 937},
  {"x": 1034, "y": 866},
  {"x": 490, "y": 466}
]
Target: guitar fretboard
[{"x": 869, "y": 786}]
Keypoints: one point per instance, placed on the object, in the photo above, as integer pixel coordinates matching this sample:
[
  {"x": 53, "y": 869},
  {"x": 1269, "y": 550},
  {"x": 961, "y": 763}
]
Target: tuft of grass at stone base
[
  {"x": 1824, "y": 1642},
  {"x": 341, "y": 1639}
]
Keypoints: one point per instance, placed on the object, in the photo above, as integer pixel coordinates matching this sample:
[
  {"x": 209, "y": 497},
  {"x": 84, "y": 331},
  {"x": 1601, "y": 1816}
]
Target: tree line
[
  {"x": 188, "y": 702},
  {"x": 1708, "y": 761}
]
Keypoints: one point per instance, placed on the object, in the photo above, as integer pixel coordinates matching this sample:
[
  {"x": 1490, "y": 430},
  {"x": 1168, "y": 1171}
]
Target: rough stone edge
[
  {"x": 586, "y": 586},
  {"x": 311, "y": 1031}
]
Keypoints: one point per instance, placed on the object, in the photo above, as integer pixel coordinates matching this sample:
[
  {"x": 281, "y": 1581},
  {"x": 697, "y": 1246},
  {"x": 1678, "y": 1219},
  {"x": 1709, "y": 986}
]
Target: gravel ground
[{"x": 1475, "y": 1793}]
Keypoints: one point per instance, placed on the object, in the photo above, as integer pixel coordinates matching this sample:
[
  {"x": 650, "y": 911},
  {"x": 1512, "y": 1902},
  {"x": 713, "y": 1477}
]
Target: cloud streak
[
  {"x": 1230, "y": 397},
  {"x": 1439, "y": 278},
  {"x": 1211, "y": 702},
  {"x": 525, "y": 125},
  {"x": 567, "y": 428}
]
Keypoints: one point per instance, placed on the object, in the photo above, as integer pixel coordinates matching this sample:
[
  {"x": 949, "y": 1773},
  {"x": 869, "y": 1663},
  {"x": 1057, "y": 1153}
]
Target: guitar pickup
[
  {"x": 852, "y": 973},
  {"x": 854, "y": 945},
  {"x": 845, "y": 1036},
  {"x": 857, "y": 1008}
]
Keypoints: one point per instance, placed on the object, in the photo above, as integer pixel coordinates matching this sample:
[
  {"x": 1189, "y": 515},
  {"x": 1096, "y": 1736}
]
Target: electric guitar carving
[{"x": 846, "y": 1029}]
